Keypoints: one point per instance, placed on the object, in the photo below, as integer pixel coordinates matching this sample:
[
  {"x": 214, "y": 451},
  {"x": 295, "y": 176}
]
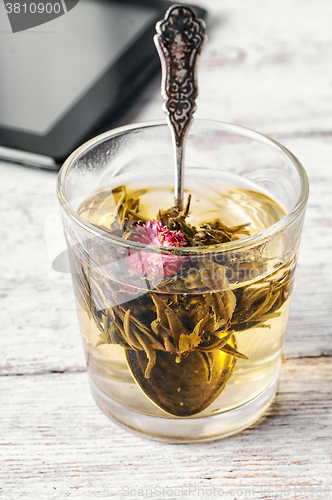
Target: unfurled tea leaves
[{"x": 170, "y": 337}]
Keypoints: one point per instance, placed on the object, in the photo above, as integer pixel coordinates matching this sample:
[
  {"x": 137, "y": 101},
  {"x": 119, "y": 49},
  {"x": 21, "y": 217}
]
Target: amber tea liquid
[{"x": 259, "y": 319}]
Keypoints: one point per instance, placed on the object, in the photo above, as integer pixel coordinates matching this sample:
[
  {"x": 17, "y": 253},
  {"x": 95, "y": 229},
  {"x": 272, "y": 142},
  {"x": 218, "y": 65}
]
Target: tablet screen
[{"x": 47, "y": 69}]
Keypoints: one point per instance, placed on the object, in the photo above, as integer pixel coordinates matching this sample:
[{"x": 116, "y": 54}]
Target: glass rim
[{"x": 245, "y": 242}]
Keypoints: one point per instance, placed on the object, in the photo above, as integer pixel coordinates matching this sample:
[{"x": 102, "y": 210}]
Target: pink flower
[{"x": 154, "y": 233}]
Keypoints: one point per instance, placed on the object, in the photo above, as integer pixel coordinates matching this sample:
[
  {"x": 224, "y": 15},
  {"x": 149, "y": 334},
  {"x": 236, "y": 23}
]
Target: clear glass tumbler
[{"x": 183, "y": 344}]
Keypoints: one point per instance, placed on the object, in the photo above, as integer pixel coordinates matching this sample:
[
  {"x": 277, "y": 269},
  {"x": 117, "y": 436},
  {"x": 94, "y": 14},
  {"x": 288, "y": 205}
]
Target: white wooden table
[{"x": 268, "y": 66}]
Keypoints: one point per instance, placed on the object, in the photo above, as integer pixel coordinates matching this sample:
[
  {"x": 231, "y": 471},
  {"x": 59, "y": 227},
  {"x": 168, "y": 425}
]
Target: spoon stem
[{"x": 179, "y": 176}]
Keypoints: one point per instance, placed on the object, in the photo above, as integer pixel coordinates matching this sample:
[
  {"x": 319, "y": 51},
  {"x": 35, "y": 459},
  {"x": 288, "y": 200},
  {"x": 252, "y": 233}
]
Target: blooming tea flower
[{"x": 154, "y": 233}]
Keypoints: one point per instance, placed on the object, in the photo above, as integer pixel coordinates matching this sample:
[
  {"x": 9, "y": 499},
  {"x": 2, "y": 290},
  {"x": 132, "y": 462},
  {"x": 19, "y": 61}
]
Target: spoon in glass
[{"x": 181, "y": 389}]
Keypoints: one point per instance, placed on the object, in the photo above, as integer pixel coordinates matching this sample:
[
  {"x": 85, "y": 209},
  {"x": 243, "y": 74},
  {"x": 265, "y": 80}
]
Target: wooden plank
[
  {"x": 265, "y": 66},
  {"x": 309, "y": 331},
  {"x": 56, "y": 443},
  {"x": 40, "y": 330},
  {"x": 280, "y": 87}
]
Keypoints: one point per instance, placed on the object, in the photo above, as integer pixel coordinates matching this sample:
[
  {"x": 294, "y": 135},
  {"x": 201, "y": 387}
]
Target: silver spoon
[
  {"x": 186, "y": 388},
  {"x": 179, "y": 40}
]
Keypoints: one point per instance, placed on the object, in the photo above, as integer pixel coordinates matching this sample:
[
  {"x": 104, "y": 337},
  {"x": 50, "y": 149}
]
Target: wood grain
[
  {"x": 57, "y": 443},
  {"x": 267, "y": 66},
  {"x": 40, "y": 329}
]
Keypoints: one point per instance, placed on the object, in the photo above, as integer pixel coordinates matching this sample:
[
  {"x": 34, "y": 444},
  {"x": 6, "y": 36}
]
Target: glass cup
[{"x": 184, "y": 344}]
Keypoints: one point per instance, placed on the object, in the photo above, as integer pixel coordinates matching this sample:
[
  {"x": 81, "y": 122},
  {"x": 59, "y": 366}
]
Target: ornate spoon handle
[{"x": 180, "y": 38}]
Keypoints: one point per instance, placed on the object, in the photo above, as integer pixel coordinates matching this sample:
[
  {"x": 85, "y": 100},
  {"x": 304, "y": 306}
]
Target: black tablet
[{"x": 62, "y": 81}]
